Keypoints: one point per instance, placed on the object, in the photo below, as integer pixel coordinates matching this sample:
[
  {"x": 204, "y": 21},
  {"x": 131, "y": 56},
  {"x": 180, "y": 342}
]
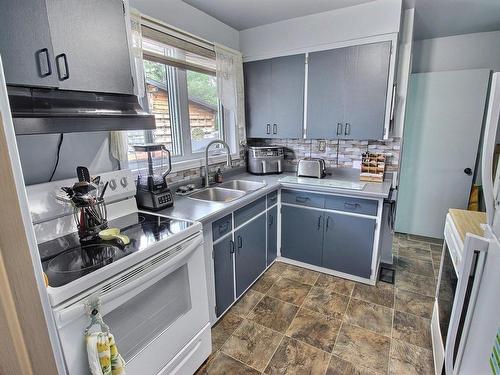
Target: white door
[{"x": 440, "y": 143}]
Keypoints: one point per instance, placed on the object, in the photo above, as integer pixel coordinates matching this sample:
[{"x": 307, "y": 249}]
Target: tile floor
[{"x": 297, "y": 321}]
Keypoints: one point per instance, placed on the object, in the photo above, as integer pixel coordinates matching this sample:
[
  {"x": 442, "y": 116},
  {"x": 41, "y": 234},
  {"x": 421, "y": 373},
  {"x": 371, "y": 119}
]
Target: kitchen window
[{"x": 181, "y": 92}]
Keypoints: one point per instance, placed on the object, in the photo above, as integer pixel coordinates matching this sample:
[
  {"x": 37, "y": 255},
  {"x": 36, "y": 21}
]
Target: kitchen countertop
[
  {"x": 204, "y": 211},
  {"x": 468, "y": 222}
]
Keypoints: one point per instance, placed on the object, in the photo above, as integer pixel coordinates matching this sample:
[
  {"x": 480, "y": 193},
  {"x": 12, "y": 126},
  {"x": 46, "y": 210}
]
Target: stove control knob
[
  {"x": 124, "y": 182},
  {"x": 112, "y": 184}
]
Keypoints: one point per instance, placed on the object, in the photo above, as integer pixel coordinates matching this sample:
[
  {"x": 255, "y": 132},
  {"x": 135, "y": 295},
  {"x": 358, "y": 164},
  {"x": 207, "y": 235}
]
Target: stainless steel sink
[
  {"x": 243, "y": 185},
  {"x": 218, "y": 194}
]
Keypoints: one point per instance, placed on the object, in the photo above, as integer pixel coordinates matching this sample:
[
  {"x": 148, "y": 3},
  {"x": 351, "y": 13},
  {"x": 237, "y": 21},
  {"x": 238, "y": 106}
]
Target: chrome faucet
[{"x": 228, "y": 161}]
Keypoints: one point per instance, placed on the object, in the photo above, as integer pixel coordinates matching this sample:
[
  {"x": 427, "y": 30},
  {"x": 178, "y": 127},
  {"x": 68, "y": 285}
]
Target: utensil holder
[{"x": 91, "y": 219}]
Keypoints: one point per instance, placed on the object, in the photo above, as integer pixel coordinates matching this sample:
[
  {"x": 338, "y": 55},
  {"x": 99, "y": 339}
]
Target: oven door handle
[{"x": 137, "y": 285}]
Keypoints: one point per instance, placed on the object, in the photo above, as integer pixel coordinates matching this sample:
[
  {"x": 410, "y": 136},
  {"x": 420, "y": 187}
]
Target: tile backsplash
[{"x": 337, "y": 153}]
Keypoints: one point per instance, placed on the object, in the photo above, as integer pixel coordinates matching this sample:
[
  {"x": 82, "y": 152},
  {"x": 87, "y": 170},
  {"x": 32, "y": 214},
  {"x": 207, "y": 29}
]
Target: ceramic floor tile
[
  {"x": 246, "y": 303},
  {"x": 410, "y": 359},
  {"x": 436, "y": 249},
  {"x": 277, "y": 268},
  {"x": 273, "y": 313},
  {"x": 416, "y": 283},
  {"x": 252, "y": 344},
  {"x": 373, "y": 317},
  {"x": 315, "y": 329},
  {"x": 265, "y": 282},
  {"x": 222, "y": 364},
  {"x": 335, "y": 284},
  {"x": 326, "y": 302},
  {"x": 368, "y": 349},
  {"x": 223, "y": 329},
  {"x": 436, "y": 259},
  {"x": 296, "y": 358},
  {"x": 289, "y": 291},
  {"x": 416, "y": 253},
  {"x": 412, "y": 329},
  {"x": 300, "y": 274},
  {"x": 338, "y": 366},
  {"x": 381, "y": 294},
  {"x": 406, "y": 243},
  {"x": 420, "y": 267},
  {"x": 414, "y": 303},
  {"x": 430, "y": 240}
]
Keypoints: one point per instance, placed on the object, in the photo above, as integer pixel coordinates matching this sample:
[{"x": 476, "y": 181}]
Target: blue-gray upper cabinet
[
  {"x": 348, "y": 244},
  {"x": 367, "y": 74},
  {"x": 325, "y": 93},
  {"x": 90, "y": 43},
  {"x": 250, "y": 259},
  {"x": 347, "y": 92},
  {"x": 302, "y": 234},
  {"x": 274, "y": 93},
  {"x": 26, "y": 45},
  {"x": 272, "y": 234},
  {"x": 224, "y": 276}
]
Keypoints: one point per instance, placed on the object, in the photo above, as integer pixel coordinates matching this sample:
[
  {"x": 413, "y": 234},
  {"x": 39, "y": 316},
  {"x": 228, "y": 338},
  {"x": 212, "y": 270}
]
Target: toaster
[
  {"x": 265, "y": 159},
  {"x": 311, "y": 167}
]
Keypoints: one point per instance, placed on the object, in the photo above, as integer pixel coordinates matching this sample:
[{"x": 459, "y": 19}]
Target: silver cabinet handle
[
  {"x": 339, "y": 128},
  {"x": 275, "y": 129},
  {"x": 268, "y": 131},
  {"x": 347, "y": 129},
  {"x": 319, "y": 222},
  {"x": 328, "y": 222}
]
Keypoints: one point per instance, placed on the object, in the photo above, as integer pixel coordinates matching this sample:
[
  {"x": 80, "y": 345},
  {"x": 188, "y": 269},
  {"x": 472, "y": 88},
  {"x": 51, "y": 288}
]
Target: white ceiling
[
  {"x": 244, "y": 14},
  {"x": 437, "y": 18}
]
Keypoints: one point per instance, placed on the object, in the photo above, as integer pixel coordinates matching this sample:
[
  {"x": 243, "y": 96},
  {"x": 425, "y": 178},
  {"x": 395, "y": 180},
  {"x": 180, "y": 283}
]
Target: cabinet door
[
  {"x": 348, "y": 244},
  {"x": 287, "y": 96},
  {"x": 250, "y": 260},
  {"x": 258, "y": 98},
  {"x": 302, "y": 234},
  {"x": 367, "y": 74},
  {"x": 272, "y": 234},
  {"x": 325, "y": 94},
  {"x": 224, "y": 275},
  {"x": 90, "y": 37},
  {"x": 25, "y": 44}
]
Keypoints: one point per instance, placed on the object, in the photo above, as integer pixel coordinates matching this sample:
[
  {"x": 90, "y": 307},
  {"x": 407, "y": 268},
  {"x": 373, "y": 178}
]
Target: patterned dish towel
[{"x": 103, "y": 355}]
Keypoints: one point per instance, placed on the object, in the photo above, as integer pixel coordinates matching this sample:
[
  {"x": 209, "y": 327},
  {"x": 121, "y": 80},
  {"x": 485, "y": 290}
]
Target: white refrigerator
[{"x": 473, "y": 335}]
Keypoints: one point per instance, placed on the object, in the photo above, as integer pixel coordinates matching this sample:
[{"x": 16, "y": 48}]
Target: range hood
[{"x": 43, "y": 111}]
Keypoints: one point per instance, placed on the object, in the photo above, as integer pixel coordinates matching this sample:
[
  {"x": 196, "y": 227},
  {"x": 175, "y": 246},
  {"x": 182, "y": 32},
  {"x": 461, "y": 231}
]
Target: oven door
[
  {"x": 454, "y": 303},
  {"x": 153, "y": 312}
]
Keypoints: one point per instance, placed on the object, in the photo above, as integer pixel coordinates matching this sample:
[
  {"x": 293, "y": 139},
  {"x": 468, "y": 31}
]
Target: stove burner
[{"x": 84, "y": 259}]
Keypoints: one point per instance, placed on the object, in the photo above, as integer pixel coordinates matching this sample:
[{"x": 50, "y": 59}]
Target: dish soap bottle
[{"x": 218, "y": 176}]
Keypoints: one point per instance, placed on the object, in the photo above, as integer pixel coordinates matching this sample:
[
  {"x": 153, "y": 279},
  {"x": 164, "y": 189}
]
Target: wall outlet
[{"x": 322, "y": 146}]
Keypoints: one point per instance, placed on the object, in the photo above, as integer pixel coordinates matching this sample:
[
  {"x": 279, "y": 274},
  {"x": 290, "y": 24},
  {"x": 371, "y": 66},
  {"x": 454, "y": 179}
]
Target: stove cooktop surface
[{"x": 66, "y": 259}]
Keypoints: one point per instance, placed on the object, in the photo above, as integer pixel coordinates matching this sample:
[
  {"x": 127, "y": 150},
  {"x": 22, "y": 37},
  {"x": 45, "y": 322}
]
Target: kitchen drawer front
[
  {"x": 354, "y": 205},
  {"x": 221, "y": 227},
  {"x": 302, "y": 198},
  {"x": 272, "y": 198},
  {"x": 249, "y": 211}
]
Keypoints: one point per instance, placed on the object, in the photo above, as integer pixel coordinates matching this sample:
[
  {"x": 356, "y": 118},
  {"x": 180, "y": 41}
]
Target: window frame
[{"x": 187, "y": 158}]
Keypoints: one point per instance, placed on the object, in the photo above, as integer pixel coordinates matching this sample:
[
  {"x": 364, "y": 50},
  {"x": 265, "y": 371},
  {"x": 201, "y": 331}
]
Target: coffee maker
[{"x": 153, "y": 192}]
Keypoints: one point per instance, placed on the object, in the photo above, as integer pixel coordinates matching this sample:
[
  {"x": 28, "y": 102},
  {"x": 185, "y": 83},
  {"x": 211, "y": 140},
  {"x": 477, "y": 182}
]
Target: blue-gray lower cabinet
[
  {"x": 348, "y": 244},
  {"x": 224, "y": 275},
  {"x": 250, "y": 253},
  {"x": 302, "y": 234},
  {"x": 272, "y": 234}
]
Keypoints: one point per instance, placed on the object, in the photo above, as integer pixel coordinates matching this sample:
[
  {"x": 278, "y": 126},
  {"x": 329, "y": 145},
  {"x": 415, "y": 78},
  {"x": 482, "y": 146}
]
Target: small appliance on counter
[
  {"x": 311, "y": 167},
  {"x": 153, "y": 192},
  {"x": 265, "y": 159}
]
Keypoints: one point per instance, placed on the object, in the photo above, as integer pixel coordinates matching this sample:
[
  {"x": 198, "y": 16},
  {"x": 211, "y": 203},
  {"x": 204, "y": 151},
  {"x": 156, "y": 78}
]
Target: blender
[{"x": 152, "y": 190}]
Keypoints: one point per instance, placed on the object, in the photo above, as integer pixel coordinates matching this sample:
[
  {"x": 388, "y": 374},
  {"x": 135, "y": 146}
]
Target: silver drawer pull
[
  {"x": 351, "y": 205},
  {"x": 301, "y": 199}
]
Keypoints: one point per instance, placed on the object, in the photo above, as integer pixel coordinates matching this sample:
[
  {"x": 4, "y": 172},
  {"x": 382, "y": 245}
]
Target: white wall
[
  {"x": 185, "y": 17},
  {"x": 284, "y": 37},
  {"x": 468, "y": 51}
]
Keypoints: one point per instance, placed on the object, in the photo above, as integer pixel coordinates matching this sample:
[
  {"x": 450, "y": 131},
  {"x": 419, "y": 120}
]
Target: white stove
[{"x": 152, "y": 291}]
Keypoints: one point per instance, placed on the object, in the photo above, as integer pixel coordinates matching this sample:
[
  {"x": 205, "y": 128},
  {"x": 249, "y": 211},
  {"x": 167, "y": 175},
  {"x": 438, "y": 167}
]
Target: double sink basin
[{"x": 227, "y": 191}]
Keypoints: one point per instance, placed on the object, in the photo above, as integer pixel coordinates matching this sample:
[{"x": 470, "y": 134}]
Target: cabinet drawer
[
  {"x": 272, "y": 198},
  {"x": 221, "y": 227},
  {"x": 355, "y": 205},
  {"x": 249, "y": 211},
  {"x": 303, "y": 198}
]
